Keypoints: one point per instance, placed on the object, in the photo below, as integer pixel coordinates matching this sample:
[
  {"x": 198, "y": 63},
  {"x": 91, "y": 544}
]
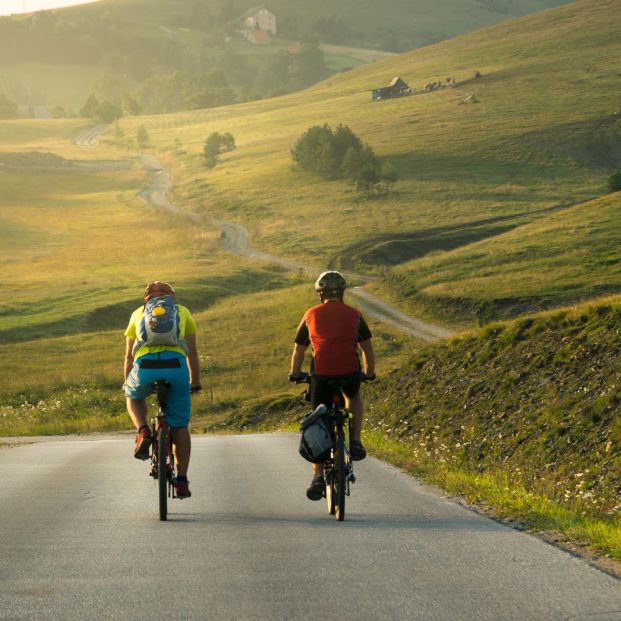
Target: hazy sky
[{"x": 26, "y": 6}]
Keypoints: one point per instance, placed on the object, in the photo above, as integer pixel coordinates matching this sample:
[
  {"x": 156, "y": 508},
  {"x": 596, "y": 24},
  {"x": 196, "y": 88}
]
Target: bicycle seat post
[{"x": 161, "y": 389}]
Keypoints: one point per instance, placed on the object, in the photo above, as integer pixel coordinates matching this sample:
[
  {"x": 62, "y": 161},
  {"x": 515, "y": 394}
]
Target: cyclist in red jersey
[{"x": 336, "y": 332}]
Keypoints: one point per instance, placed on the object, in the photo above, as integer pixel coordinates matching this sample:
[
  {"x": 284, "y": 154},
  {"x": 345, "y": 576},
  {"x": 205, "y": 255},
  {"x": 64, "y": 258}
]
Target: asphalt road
[{"x": 80, "y": 539}]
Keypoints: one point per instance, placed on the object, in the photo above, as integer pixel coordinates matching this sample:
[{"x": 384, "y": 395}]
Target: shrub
[
  {"x": 614, "y": 182},
  {"x": 215, "y": 144},
  {"x": 107, "y": 112},
  {"x": 143, "y": 136},
  {"x": 340, "y": 154}
]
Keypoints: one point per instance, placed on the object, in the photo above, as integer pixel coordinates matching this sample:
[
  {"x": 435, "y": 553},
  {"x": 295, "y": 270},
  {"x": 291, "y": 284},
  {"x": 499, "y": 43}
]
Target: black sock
[
  {"x": 182, "y": 478},
  {"x": 142, "y": 427}
]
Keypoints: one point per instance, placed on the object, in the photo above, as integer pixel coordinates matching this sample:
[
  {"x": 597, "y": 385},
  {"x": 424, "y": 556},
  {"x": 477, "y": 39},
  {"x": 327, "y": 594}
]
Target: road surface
[{"x": 80, "y": 539}]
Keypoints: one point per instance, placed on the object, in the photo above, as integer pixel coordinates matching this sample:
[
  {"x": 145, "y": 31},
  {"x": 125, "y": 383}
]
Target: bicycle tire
[
  {"x": 330, "y": 491},
  {"x": 339, "y": 475},
  {"x": 162, "y": 472}
]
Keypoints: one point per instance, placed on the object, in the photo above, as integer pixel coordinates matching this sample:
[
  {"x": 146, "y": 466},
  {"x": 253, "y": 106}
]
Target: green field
[{"x": 500, "y": 209}]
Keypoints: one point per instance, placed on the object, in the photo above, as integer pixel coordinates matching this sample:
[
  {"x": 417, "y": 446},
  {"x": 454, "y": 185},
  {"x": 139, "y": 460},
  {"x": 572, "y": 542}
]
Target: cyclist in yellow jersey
[{"x": 179, "y": 364}]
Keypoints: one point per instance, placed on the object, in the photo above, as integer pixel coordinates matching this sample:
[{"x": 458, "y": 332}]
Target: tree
[
  {"x": 215, "y": 144},
  {"x": 90, "y": 107},
  {"x": 337, "y": 154},
  {"x": 8, "y": 108},
  {"x": 59, "y": 112},
  {"x": 216, "y": 78},
  {"x": 345, "y": 139},
  {"x": 142, "y": 136},
  {"x": 314, "y": 151},
  {"x": 309, "y": 66},
  {"x": 227, "y": 141},
  {"x": 130, "y": 104},
  {"x": 367, "y": 176},
  {"x": 211, "y": 149},
  {"x": 107, "y": 112},
  {"x": 279, "y": 66},
  {"x": 389, "y": 173},
  {"x": 352, "y": 163},
  {"x": 614, "y": 182}
]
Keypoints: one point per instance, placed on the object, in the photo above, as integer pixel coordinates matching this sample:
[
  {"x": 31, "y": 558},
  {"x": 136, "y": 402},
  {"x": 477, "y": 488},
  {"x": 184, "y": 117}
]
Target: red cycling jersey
[{"x": 334, "y": 329}]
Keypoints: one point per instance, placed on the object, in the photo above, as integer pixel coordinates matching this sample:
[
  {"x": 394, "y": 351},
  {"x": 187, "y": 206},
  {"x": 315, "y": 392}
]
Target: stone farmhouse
[{"x": 257, "y": 24}]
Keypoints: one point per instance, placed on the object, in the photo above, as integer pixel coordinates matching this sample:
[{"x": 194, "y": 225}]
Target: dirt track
[{"x": 236, "y": 239}]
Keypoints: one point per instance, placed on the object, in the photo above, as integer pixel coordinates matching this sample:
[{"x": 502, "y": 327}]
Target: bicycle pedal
[{"x": 351, "y": 478}]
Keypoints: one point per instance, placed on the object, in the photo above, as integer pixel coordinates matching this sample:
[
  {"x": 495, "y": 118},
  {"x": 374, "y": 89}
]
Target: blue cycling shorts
[{"x": 138, "y": 385}]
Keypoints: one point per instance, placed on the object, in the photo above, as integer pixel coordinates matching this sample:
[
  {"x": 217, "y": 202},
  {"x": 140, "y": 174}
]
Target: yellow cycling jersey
[{"x": 187, "y": 326}]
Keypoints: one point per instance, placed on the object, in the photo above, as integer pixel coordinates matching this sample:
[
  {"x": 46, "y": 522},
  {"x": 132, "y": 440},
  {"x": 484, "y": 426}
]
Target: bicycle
[
  {"x": 162, "y": 457},
  {"x": 339, "y": 468},
  {"x": 163, "y": 467}
]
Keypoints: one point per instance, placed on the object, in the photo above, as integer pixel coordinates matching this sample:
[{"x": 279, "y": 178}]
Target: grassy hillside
[
  {"x": 165, "y": 55},
  {"x": 540, "y": 143},
  {"x": 79, "y": 245},
  {"x": 533, "y": 403}
]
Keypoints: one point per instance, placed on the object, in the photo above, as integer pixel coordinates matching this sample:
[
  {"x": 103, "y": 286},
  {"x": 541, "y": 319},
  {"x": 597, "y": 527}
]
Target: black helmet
[{"x": 330, "y": 282}]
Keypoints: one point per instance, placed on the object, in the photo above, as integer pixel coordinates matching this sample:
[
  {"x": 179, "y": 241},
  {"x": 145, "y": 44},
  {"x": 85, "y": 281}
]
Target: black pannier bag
[{"x": 316, "y": 441}]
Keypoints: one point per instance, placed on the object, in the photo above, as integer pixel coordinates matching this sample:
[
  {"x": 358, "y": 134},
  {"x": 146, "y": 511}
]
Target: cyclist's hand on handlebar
[
  {"x": 298, "y": 378},
  {"x": 196, "y": 388}
]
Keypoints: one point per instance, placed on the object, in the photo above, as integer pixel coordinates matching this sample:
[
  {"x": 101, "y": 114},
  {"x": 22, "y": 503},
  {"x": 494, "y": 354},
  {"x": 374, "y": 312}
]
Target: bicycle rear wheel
[
  {"x": 339, "y": 475},
  {"x": 330, "y": 492},
  {"x": 162, "y": 472}
]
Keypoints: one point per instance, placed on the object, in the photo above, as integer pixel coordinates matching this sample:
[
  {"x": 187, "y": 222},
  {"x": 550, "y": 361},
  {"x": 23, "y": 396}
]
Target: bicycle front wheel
[
  {"x": 162, "y": 472},
  {"x": 339, "y": 475}
]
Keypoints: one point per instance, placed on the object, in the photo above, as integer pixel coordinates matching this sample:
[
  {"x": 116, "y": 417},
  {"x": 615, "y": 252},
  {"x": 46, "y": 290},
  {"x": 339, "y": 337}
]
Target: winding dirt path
[
  {"x": 236, "y": 239},
  {"x": 160, "y": 183}
]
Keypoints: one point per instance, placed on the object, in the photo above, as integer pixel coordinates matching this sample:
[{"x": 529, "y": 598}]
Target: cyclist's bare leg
[
  {"x": 137, "y": 411},
  {"x": 356, "y": 407},
  {"x": 317, "y": 470},
  {"x": 182, "y": 447}
]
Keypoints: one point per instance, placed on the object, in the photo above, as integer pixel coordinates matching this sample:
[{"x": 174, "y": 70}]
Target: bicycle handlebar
[{"x": 302, "y": 378}]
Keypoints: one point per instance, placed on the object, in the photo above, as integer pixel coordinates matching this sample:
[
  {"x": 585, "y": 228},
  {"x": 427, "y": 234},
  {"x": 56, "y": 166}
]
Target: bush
[
  {"x": 614, "y": 182},
  {"x": 215, "y": 144},
  {"x": 107, "y": 112},
  {"x": 143, "y": 136},
  {"x": 340, "y": 154},
  {"x": 104, "y": 111},
  {"x": 322, "y": 151}
]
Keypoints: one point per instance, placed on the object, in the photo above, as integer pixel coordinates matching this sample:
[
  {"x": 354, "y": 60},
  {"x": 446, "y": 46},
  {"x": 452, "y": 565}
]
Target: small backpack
[
  {"x": 316, "y": 440},
  {"x": 159, "y": 324}
]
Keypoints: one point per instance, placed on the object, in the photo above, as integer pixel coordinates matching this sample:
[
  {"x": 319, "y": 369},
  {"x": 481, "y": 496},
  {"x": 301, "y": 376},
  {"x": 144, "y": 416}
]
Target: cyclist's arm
[
  {"x": 193, "y": 361},
  {"x": 297, "y": 359},
  {"x": 129, "y": 358},
  {"x": 368, "y": 357}
]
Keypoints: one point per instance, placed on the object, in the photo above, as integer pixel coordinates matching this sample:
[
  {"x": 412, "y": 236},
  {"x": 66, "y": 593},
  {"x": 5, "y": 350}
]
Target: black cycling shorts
[{"x": 321, "y": 391}]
